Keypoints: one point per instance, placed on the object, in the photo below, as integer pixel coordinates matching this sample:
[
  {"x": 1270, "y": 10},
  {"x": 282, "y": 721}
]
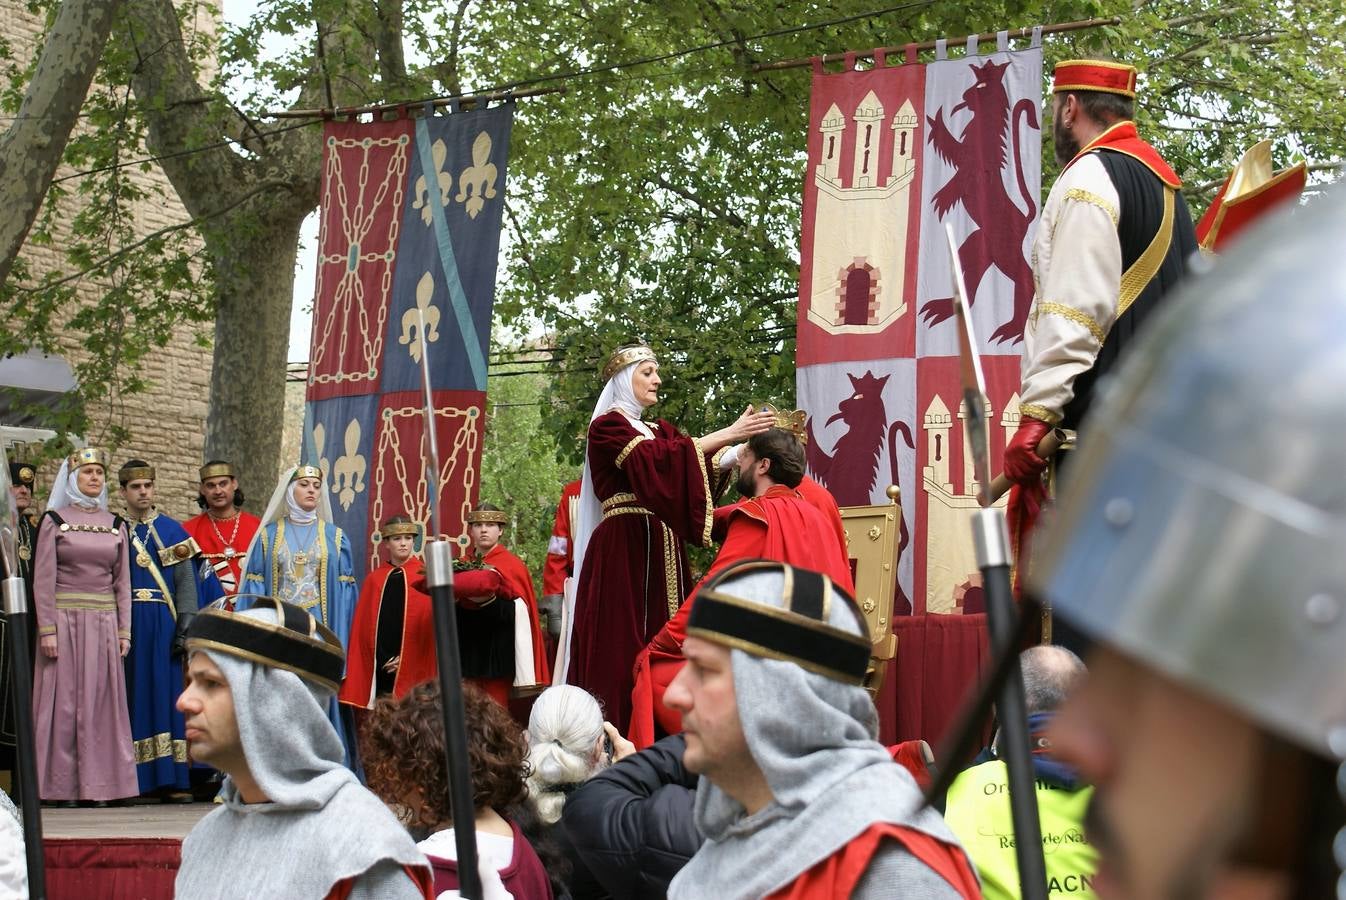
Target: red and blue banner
[
  {"x": 895, "y": 152},
  {"x": 410, "y": 233}
]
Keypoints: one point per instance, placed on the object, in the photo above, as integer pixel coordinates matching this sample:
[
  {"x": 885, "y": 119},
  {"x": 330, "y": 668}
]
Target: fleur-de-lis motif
[
  {"x": 319, "y": 444},
  {"x": 476, "y": 184},
  {"x": 425, "y": 290},
  {"x": 438, "y": 152},
  {"x": 348, "y": 473}
]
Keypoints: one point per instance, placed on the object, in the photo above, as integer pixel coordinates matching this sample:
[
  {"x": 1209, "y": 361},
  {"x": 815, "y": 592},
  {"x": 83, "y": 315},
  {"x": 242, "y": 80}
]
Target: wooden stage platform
[{"x": 118, "y": 853}]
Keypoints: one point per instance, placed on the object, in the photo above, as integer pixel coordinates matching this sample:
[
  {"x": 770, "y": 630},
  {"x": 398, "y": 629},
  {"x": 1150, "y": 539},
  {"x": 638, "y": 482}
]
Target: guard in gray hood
[
  {"x": 796, "y": 797},
  {"x": 294, "y": 821}
]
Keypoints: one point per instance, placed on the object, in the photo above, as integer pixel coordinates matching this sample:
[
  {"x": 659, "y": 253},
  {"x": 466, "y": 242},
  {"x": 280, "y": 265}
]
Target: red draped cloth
[
  {"x": 418, "y": 633},
  {"x": 779, "y": 525},
  {"x": 656, "y": 493},
  {"x": 560, "y": 548},
  {"x": 519, "y": 583},
  {"x": 822, "y": 500}
]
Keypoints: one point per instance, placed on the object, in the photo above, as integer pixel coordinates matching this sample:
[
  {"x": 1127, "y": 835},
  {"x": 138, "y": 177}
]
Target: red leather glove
[{"x": 1022, "y": 463}]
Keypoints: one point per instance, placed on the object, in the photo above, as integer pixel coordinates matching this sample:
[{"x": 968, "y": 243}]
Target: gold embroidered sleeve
[
  {"x": 1081, "y": 195},
  {"x": 1079, "y": 317},
  {"x": 626, "y": 451},
  {"x": 1041, "y": 413}
]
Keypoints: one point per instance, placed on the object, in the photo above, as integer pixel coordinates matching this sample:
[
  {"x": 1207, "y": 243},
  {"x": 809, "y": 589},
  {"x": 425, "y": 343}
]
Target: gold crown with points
[{"x": 792, "y": 420}]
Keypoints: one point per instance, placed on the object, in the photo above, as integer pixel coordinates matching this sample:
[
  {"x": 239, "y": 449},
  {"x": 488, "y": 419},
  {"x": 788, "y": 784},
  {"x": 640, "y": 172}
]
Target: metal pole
[
  {"x": 439, "y": 579},
  {"x": 991, "y": 538},
  {"x": 16, "y": 614}
]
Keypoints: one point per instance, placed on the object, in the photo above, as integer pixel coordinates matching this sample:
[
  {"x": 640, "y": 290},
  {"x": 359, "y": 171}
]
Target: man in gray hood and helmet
[
  {"x": 1201, "y": 542},
  {"x": 796, "y": 798},
  {"x": 294, "y": 822}
]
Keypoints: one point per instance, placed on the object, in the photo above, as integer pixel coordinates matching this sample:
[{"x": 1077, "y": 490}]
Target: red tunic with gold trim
[
  {"x": 656, "y": 493},
  {"x": 389, "y": 603},
  {"x": 778, "y": 525},
  {"x": 224, "y": 544}
]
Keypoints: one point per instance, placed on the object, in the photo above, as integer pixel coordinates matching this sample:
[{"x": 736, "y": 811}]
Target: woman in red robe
[
  {"x": 392, "y": 645},
  {"x": 646, "y": 489}
]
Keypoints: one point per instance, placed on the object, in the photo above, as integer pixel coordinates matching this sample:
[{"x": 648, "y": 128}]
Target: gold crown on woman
[
  {"x": 88, "y": 456},
  {"x": 624, "y": 356},
  {"x": 306, "y": 472}
]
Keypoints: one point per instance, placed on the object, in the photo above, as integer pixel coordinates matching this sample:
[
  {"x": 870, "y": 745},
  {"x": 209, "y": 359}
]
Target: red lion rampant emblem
[
  {"x": 851, "y": 470},
  {"x": 1001, "y": 224}
]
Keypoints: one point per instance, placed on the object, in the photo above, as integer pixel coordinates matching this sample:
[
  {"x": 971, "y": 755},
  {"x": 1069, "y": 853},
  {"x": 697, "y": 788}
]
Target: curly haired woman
[{"x": 403, "y": 752}]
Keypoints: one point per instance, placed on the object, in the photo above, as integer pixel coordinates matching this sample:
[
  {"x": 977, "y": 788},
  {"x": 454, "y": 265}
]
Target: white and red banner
[{"x": 894, "y": 152}]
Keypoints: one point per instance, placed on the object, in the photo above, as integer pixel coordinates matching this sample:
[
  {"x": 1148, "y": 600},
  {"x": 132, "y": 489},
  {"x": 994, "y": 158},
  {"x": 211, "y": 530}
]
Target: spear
[
  {"x": 439, "y": 580},
  {"x": 993, "y": 558},
  {"x": 16, "y": 614}
]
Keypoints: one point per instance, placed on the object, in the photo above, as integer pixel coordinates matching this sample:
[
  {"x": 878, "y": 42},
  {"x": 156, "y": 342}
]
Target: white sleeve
[
  {"x": 1076, "y": 303},
  {"x": 524, "y": 673},
  {"x": 729, "y": 457}
]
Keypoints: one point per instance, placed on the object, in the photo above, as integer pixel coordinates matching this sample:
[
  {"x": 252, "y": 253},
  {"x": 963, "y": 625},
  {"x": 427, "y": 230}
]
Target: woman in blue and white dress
[{"x": 300, "y": 557}]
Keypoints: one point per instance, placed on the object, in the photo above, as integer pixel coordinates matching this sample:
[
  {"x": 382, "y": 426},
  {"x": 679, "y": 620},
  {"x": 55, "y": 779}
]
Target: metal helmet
[{"x": 1202, "y": 530}]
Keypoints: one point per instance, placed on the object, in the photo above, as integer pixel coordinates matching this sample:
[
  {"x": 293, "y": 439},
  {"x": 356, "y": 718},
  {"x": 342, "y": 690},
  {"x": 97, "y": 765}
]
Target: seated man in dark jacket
[{"x": 632, "y": 822}]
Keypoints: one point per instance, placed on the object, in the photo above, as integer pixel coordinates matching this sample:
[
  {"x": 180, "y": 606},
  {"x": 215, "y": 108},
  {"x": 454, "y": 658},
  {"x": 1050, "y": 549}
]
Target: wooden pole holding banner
[{"x": 1058, "y": 28}]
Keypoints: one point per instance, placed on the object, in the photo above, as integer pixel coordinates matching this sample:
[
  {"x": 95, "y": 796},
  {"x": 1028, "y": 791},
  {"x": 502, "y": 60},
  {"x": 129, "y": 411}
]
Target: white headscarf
[
  {"x": 617, "y": 395},
  {"x": 283, "y": 506},
  {"x": 65, "y": 491}
]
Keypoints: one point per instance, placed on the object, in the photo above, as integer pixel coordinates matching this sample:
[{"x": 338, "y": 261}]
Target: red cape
[
  {"x": 840, "y": 874},
  {"x": 418, "y": 637},
  {"x": 558, "y": 564},
  {"x": 519, "y": 582},
  {"x": 1123, "y": 138},
  {"x": 779, "y": 525}
]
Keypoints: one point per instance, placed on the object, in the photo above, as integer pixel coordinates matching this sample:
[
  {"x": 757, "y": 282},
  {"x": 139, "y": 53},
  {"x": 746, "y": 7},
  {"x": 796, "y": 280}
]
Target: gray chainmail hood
[
  {"x": 320, "y": 825},
  {"x": 814, "y": 739}
]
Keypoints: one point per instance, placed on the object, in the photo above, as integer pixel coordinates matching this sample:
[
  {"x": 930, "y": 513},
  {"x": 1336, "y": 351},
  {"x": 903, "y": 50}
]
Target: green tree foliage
[
  {"x": 519, "y": 469},
  {"x": 659, "y": 200}
]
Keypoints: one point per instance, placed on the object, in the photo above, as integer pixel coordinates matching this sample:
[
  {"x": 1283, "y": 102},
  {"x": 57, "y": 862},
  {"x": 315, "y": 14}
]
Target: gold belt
[
  {"x": 75, "y": 600},
  {"x": 627, "y": 510},
  {"x": 617, "y": 500}
]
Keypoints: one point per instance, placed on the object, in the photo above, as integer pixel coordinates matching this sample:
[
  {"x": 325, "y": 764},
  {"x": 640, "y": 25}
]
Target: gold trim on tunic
[
  {"x": 618, "y": 499},
  {"x": 631, "y": 445},
  {"x": 671, "y": 586},
  {"x": 1143, "y": 270},
  {"x": 1085, "y": 196},
  {"x": 709, "y": 504},
  {"x": 1040, "y": 412},
  {"x": 1074, "y": 315},
  {"x": 625, "y": 510},
  {"x": 160, "y": 746}
]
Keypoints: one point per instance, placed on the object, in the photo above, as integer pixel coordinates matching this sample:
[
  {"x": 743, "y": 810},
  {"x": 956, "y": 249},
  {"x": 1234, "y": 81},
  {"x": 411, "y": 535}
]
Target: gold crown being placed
[
  {"x": 128, "y": 474},
  {"x": 625, "y": 356},
  {"x": 495, "y": 516},
  {"x": 88, "y": 456},
  {"x": 216, "y": 470},
  {"x": 306, "y": 472},
  {"x": 395, "y": 528},
  {"x": 792, "y": 420}
]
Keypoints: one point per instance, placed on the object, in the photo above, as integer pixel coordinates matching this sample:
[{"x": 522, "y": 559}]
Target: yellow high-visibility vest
[{"x": 978, "y": 812}]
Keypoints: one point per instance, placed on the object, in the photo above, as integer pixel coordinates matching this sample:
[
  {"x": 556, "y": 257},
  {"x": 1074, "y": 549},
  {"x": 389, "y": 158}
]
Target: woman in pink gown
[{"x": 82, "y": 598}]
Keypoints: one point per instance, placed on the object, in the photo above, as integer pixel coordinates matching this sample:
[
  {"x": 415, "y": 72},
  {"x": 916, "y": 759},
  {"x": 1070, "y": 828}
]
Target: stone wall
[{"x": 167, "y": 421}]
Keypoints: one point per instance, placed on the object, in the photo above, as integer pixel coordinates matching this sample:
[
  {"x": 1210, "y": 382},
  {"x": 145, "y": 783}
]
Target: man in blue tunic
[{"x": 168, "y": 585}]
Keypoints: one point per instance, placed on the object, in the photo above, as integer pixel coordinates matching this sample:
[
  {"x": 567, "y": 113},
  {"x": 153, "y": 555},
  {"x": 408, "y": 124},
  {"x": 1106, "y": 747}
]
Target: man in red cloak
[
  {"x": 774, "y": 522},
  {"x": 223, "y": 530},
  {"x": 392, "y": 644},
  {"x": 498, "y": 632}
]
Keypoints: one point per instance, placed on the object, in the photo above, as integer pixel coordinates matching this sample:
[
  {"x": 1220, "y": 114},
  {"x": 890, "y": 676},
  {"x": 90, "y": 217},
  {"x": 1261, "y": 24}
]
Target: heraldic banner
[
  {"x": 410, "y": 230},
  {"x": 894, "y": 152}
]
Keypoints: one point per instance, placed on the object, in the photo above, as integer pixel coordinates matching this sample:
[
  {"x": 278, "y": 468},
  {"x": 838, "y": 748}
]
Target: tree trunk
[
  {"x": 254, "y": 290},
  {"x": 31, "y": 149}
]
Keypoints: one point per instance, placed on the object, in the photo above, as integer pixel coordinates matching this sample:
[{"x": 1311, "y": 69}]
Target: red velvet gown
[
  {"x": 656, "y": 493},
  {"x": 779, "y": 525}
]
